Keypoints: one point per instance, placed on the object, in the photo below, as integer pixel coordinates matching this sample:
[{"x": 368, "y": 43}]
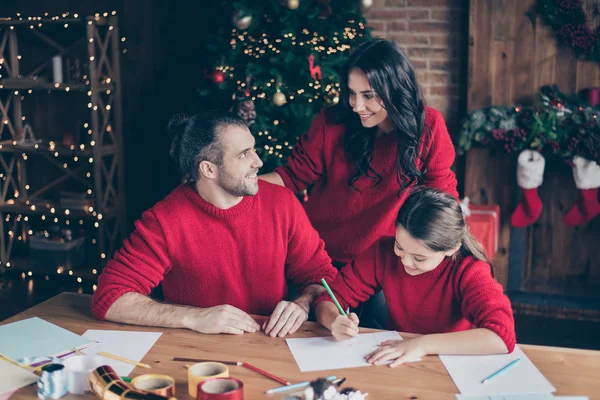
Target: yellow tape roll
[
  {"x": 163, "y": 385},
  {"x": 199, "y": 372}
]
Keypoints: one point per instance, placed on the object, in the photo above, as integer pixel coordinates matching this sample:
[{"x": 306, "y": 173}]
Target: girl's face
[
  {"x": 416, "y": 257},
  {"x": 366, "y": 103}
]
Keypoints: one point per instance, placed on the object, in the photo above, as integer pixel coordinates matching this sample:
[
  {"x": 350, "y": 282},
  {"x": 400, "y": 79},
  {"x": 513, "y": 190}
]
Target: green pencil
[{"x": 333, "y": 297}]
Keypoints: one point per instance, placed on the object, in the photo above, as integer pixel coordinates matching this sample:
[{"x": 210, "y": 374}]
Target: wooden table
[{"x": 572, "y": 372}]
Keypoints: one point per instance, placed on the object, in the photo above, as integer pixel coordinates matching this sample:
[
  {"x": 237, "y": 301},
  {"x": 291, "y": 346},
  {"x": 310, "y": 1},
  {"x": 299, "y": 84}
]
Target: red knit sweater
[
  {"x": 455, "y": 296},
  {"x": 205, "y": 256},
  {"x": 347, "y": 220}
]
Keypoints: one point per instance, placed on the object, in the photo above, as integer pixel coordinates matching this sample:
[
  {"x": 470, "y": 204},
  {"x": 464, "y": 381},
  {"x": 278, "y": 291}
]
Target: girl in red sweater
[{"x": 437, "y": 282}]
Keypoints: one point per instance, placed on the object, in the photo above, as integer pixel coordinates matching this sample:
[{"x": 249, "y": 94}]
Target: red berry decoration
[{"x": 217, "y": 77}]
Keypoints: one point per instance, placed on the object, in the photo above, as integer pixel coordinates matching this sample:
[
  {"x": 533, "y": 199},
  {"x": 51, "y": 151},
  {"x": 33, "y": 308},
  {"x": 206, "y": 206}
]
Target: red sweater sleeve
[
  {"x": 139, "y": 266},
  {"x": 484, "y": 303},
  {"x": 306, "y": 164},
  {"x": 307, "y": 261},
  {"x": 439, "y": 155},
  {"x": 356, "y": 282}
]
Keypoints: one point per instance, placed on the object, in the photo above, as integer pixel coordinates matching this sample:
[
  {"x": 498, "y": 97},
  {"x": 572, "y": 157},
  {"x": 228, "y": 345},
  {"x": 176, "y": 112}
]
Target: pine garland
[{"x": 556, "y": 124}]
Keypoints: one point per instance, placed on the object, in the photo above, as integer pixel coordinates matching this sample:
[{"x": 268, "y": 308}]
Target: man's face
[{"x": 238, "y": 173}]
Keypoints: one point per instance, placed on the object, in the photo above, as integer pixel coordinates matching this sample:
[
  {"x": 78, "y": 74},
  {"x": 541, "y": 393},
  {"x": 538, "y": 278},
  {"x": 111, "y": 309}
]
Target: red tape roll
[{"x": 221, "y": 389}]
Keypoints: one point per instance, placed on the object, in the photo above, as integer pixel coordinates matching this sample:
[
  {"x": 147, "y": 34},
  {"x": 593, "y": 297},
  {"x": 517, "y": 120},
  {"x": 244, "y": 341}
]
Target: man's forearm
[
  {"x": 137, "y": 309},
  {"x": 308, "y": 296}
]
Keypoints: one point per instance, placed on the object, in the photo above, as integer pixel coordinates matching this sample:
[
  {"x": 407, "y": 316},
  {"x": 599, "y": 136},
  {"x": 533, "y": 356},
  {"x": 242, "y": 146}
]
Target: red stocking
[
  {"x": 586, "y": 174},
  {"x": 530, "y": 174}
]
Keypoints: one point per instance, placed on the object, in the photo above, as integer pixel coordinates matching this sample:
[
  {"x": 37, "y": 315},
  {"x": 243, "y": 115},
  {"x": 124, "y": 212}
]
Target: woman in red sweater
[
  {"x": 362, "y": 155},
  {"x": 439, "y": 283}
]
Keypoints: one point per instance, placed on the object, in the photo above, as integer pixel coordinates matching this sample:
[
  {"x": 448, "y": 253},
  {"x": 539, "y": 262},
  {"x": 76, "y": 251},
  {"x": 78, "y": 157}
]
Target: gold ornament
[
  {"x": 241, "y": 22},
  {"x": 334, "y": 96},
  {"x": 279, "y": 99},
  {"x": 293, "y": 4},
  {"x": 365, "y": 5}
]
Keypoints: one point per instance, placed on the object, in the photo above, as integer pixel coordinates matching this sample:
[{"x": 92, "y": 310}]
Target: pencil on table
[
  {"x": 265, "y": 373},
  {"x": 333, "y": 297},
  {"x": 40, "y": 364},
  {"x": 239, "y": 363},
  {"x": 197, "y": 360},
  {"x": 139, "y": 364},
  {"x": 79, "y": 352},
  {"x": 501, "y": 370},
  {"x": 299, "y": 385}
]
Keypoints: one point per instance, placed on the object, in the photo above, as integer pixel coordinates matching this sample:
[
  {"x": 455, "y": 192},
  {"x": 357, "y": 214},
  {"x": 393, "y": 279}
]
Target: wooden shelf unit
[{"x": 100, "y": 37}]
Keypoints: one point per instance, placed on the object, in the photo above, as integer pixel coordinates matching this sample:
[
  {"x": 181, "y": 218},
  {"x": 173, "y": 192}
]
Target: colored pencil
[
  {"x": 239, "y": 363},
  {"x": 333, "y": 297},
  {"x": 48, "y": 361},
  {"x": 139, "y": 364},
  {"x": 501, "y": 370},
  {"x": 295, "y": 386},
  {"x": 197, "y": 360},
  {"x": 265, "y": 373}
]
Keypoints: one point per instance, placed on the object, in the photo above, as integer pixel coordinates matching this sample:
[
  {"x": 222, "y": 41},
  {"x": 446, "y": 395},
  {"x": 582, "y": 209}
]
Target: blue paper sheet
[{"x": 23, "y": 341}]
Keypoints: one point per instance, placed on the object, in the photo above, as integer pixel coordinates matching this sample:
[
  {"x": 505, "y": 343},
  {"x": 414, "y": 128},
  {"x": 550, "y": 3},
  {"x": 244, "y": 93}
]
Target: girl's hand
[
  {"x": 344, "y": 328},
  {"x": 397, "y": 351}
]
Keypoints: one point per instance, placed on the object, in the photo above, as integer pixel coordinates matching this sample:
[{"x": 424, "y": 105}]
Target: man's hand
[
  {"x": 287, "y": 317},
  {"x": 221, "y": 319}
]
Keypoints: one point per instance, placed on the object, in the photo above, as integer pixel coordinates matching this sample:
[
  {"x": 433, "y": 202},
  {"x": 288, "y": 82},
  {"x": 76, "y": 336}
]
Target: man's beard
[{"x": 236, "y": 187}]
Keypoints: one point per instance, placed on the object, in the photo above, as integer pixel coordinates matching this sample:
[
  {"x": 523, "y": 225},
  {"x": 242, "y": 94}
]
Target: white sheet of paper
[
  {"x": 534, "y": 396},
  {"x": 571, "y": 398},
  {"x": 467, "y": 372},
  {"x": 127, "y": 344},
  {"x": 13, "y": 377},
  {"x": 318, "y": 354}
]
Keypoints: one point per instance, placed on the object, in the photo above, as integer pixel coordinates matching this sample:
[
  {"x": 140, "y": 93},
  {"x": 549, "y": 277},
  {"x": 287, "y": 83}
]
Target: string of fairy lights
[
  {"x": 262, "y": 46},
  {"x": 81, "y": 153}
]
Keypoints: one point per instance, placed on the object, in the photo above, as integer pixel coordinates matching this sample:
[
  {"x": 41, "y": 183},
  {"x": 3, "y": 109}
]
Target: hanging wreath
[{"x": 569, "y": 20}]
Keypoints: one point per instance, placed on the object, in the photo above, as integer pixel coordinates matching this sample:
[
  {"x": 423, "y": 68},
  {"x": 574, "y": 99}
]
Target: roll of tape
[
  {"x": 163, "y": 385},
  {"x": 77, "y": 369},
  {"x": 53, "y": 383},
  {"x": 107, "y": 385},
  {"x": 198, "y": 373},
  {"x": 221, "y": 389}
]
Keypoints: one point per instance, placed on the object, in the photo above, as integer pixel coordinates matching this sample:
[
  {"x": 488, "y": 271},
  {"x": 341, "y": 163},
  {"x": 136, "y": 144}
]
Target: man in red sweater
[{"x": 223, "y": 245}]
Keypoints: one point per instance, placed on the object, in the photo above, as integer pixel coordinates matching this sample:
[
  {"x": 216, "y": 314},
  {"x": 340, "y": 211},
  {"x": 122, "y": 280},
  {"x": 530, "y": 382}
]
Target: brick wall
[{"x": 434, "y": 33}]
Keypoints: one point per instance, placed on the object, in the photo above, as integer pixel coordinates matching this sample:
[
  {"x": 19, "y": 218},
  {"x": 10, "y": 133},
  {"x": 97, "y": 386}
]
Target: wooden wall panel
[
  {"x": 502, "y": 45},
  {"x": 521, "y": 81},
  {"x": 544, "y": 50},
  {"x": 479, "y": 62},
  {"x": 512, "y": 53}
]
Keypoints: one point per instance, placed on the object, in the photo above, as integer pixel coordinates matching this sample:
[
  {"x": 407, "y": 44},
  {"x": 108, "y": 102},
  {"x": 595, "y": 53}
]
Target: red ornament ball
[{"x": 217, "y": 77}]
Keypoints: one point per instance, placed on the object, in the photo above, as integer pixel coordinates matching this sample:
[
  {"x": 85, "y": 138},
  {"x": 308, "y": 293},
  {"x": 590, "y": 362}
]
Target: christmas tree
[{"x": 276, "y": 63}]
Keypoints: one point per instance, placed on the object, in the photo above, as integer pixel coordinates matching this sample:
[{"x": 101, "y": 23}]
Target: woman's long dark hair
[
  {"x": 435, "y": 218},
  {"x": 391, "y": 76}
]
